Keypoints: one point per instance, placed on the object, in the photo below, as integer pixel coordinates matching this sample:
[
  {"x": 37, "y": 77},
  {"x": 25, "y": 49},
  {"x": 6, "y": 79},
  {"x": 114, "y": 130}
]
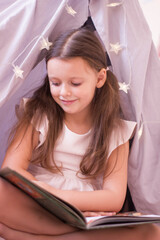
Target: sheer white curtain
[{"x": 128, "y": 41}]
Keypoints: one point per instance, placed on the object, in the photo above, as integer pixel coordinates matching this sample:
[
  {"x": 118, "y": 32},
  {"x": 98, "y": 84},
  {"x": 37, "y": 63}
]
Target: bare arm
[{"x": 19, "y": 152}]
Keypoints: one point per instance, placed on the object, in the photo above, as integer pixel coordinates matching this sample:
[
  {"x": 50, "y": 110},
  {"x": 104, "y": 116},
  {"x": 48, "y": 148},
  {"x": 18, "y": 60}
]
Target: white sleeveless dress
[{"x": 69, "y": 150}]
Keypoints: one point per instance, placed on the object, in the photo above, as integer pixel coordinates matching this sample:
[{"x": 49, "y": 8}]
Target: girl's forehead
[
  {"x": 72, "y": 60},
  {"x": 70, "y": 64}
]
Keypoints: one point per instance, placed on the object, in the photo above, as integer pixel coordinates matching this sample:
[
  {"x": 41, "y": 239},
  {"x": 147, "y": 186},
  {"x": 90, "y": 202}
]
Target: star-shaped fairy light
[
  {"x": 114, "y": 4},
  {"x": 45, "y": 44},
  {"x": 115, "y": 48},
  {"x": 124, "y": 87},
  {"x": 70, "y": 10},
  {"x": 18, "y": 72},
  {"x": 140, "y": 131}
]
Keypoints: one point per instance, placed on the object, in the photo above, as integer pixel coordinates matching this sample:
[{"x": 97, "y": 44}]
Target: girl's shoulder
[
  {"x": 40, "y": 126},
  {"x": 126, "y": 129},
  {"x": 122, "y": 134}
]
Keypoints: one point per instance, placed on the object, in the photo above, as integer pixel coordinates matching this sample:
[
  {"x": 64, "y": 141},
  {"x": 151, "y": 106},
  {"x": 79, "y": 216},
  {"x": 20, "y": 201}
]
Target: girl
[{"x": 69, "y": 139}]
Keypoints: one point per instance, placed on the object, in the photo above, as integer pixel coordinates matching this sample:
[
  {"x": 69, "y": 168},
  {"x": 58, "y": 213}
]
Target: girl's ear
[{"x": 101, "y": 78}]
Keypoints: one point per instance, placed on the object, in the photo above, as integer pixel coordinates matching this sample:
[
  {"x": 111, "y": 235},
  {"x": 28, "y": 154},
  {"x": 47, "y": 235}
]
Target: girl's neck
[{"x": 78, "y": 123}]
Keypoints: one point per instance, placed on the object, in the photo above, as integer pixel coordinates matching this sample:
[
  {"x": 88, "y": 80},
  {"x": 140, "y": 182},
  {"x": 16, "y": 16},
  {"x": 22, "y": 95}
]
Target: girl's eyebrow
[
  {"x": 79, "y": 78},
  {"x": 52, "y": 77},
  {"x": 72, "y": 78}
]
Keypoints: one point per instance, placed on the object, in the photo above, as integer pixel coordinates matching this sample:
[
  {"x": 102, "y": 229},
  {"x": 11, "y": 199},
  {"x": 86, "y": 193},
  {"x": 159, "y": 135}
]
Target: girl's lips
[{"x": 67, "y": 102}]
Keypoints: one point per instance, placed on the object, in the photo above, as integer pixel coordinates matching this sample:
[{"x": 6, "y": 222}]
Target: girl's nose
[{"x": 65, "y": 91}]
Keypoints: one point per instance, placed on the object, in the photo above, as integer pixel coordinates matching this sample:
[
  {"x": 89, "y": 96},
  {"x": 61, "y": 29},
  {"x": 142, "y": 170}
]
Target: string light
[
  {"x": 140, "y": 131},
  {"x": 70, "y": 10},
  {"x": 124, "y": 87},
  {"x": 116, "y": 48},
  {"x": 114, "y": 4},
  {"x": 18, "y": 71},
  {"x": 45, "y": 44}
]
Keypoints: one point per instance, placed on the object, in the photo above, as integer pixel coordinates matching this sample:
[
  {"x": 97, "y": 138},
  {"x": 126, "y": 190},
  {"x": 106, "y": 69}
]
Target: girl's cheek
[{"x": 54, "y": 92}]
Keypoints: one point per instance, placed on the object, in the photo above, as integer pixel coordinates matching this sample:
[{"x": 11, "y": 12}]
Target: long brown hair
[{"x": 105, "y": 104}]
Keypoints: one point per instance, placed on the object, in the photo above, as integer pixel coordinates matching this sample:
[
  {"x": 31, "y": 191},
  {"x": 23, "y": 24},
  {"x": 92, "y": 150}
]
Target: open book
[{"x": 68, "y": 213}]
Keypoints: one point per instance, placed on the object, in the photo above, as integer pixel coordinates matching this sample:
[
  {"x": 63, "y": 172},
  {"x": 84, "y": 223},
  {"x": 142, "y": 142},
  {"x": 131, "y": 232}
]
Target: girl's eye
[
  {"x": 55, "y": 83},
  {"x": 76, "y": 84}
]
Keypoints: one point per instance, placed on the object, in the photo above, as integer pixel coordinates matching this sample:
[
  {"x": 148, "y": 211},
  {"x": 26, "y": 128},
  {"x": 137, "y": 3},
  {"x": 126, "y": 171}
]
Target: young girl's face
[{"x": 72, "y": 84}]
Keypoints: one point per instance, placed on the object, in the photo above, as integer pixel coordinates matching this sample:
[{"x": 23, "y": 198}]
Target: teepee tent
[{"x": 27, "y": 29}]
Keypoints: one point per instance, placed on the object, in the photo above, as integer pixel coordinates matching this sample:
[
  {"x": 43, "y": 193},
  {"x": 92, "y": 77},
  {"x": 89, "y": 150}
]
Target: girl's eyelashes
[
  {"x": 58, "y": 83},
  {"x": 76, "y": 84},
  {"x": 54, "y": 83}
]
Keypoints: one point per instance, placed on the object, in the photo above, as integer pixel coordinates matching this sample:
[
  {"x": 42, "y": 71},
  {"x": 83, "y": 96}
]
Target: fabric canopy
[{"x": 28, "y": 27}]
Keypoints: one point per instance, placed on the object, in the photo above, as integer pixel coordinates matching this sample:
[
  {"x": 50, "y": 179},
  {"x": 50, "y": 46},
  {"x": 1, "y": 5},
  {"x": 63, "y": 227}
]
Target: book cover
[{"x": 67, "y": 212}]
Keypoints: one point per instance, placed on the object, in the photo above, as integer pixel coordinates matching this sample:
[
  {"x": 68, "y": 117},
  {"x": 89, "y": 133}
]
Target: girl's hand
[{"x": 95, "y": 214}]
